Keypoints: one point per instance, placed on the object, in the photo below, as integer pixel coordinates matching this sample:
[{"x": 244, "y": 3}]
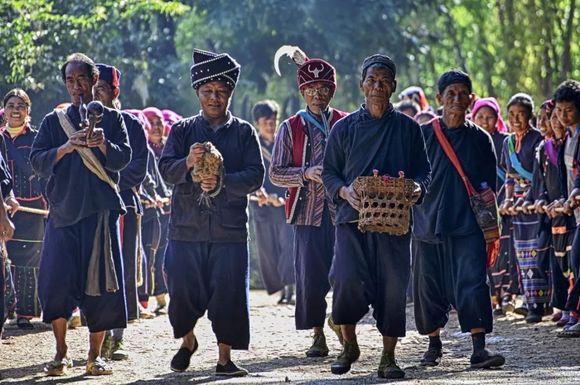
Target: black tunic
[
  {"x": 134, "y": 173},
  {"x": 73, "y": 191},
  {"x": 5, "y": 274},
  {"x": 446, "y": 210},
  {"x": 226, "y": 220},
  {"x": 525, "y": 156},
  {"x": 24, "y": 251},
  {"x": 355, "y": 147}
]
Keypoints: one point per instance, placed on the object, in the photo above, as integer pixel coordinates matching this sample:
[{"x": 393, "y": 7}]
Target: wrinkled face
[
  {"x": 544, "y": 124},
  {"x": 519, "y": 118},
  {"x": 568, "y": 114},
  {"x": 156, "y": 130},
  {"x": 486, "y": 118},
  {"x": 557, "y": 127},
  {"x": 214, "y": 99},
  {"x": 378, "y": 85},
  {"x": 104, "y": 93},
  {"x": 455, "y": 98},
  {"x": 79, "y": 82},
  {"x": 317, "y": 96},
  {"x": 267, "y": 126},
  {"x": 16, "y": 111}
]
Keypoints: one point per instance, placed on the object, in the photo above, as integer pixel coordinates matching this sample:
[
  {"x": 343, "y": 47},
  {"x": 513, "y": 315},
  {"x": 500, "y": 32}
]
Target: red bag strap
[{"x": 450, "y": 152}]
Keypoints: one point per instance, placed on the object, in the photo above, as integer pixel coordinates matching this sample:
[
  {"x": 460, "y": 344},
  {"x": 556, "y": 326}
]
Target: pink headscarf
[
  {"x": 494, "y": 105},
  {"x": 142, "y": 118},
  {"x": 151, "y": 112},
  {"x": 170, "y": 117}
]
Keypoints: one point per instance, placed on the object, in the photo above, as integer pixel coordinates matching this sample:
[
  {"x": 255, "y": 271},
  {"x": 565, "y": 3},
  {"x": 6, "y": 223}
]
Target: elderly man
[
  {"x": 449, "y": 249},
  {"x": 81, "y": 256},
  {"x": 297, "y": 164},
  {"x": 372, "y": 268},
  {"x": 206, "y": 260}
]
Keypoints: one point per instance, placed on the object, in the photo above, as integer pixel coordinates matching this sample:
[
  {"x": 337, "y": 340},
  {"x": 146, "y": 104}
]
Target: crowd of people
[{"x": 106, "y": 208}]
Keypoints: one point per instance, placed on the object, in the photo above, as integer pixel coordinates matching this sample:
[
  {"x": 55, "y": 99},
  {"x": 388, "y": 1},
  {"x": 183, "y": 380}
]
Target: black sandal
[{"x": 24, "y": 323}]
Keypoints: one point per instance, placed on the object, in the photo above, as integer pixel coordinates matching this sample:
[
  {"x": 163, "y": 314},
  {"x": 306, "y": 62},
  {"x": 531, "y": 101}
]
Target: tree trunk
[{"x": 566, "y": 42}]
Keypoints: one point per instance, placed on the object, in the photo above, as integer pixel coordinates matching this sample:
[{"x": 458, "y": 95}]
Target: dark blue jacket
[
  {"x": 73, "y": 191},
  {"x": 226, "y": 219}
]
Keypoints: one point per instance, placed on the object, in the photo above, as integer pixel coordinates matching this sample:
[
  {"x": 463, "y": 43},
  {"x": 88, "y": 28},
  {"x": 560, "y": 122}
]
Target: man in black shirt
[{"x": 449, "y": 250}]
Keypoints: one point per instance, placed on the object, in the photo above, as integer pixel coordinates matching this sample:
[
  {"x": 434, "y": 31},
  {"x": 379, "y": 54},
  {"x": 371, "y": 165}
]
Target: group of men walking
[{"x": 316, "y": 155}]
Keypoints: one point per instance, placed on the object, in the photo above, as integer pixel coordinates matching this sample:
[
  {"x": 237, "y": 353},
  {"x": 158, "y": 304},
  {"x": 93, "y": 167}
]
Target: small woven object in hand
[
  {"x": 211, "y": 164},
  {"x": 385, "y": 204}
]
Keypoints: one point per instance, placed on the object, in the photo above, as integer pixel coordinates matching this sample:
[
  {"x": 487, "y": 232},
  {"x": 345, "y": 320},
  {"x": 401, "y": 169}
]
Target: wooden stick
[
  {"x": 32, "y": 210},
  {"x": 29, "y": 210}
]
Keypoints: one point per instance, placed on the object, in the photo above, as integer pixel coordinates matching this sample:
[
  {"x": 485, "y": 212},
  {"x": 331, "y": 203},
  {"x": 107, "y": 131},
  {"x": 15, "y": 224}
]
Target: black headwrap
[
  {"x": 208, "y": 67},
  {"x": 378, "y": 59},
  {"x": 453, "y": 77},
  {"x": 110, "y": 74}
]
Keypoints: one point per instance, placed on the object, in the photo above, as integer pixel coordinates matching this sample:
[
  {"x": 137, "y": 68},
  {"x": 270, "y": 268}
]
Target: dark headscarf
[
  {"x": 208, "y": 67},
  {"x": 453, "y": 77},
  {"x": 110, "y": 74},
  {"x": 381, "y": 60}
]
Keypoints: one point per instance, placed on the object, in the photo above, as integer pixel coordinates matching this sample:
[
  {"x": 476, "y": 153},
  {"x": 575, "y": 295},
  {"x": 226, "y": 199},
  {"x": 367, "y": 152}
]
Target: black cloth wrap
[
  {"x": 453, "y": 77},
  {"x": 378, "y": 59}
]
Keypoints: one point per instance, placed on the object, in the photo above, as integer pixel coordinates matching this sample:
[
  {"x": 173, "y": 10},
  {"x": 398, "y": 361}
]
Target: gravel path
[{"x": 534, "y": 354}]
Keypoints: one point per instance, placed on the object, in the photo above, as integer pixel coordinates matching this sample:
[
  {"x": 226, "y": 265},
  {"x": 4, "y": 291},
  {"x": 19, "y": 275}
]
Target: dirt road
[{"x": 534, "y": 354}]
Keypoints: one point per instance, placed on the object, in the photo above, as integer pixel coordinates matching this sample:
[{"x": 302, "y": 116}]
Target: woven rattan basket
[{"x": 385, "y": 207}]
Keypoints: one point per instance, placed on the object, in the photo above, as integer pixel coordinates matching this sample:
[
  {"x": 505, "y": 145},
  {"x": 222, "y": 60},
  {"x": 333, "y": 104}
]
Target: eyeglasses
[{"x": 322, "y": 91}]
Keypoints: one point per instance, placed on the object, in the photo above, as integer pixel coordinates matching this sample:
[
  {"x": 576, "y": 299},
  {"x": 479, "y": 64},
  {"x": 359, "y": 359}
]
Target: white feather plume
[{"x": 293, "y": 52}]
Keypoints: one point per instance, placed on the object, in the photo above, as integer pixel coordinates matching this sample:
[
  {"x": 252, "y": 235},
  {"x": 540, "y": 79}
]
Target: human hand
[
  {"x": 195, "y": 155},
  {"x": 97, "y": 138},
  {"x": 76, "y": 140},
  {"x": 262, "y": 196},
  {"x": 313, "y": 173},
  {"x": 13, "y": 206},
  {"x": 209, "y": 183},
  {"x": 556, "y": 209},
  {"x": 506, "y": 206},
  {"x": 6, "y": 228},
  {"x": 350, "y": 195},
  {"x": 528, "y": 207},
  {"x": 539, "y": 206},
  {"x": 572, "y": 201},
  {"x": 416, "y": 193}
]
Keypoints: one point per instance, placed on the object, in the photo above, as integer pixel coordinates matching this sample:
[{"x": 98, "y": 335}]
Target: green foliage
[
  {"x": 506, "y": 45},
  {"x": 40, "y": 34}
]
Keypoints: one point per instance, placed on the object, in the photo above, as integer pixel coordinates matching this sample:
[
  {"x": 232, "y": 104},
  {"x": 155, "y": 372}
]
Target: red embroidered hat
[
  {"x": 309, "y": 70},
  {"x": 316, "y": 70}
]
